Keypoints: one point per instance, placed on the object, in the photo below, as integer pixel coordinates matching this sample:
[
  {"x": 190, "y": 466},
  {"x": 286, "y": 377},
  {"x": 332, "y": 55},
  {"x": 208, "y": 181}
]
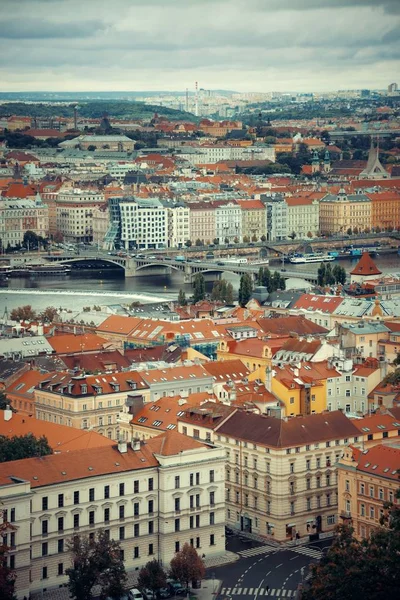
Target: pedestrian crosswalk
[
  {"x": 249, "y": 591},
  {"x": 256, "y": 551},
  {"x": 312, "y": 552}
]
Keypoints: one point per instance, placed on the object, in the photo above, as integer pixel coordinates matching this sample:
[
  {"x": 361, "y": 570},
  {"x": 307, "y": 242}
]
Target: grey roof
[
  {"x": 366, "y": 327},
  {"x": 341, "y": 197},
  {"x": 25, "y": 347}
]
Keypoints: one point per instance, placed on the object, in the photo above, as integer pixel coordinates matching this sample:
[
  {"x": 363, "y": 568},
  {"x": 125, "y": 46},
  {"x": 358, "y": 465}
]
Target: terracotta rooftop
[
  {"x": 377, "y": 424},
  {"x": 60, "y": 437},
  {"x": 226, "y": 370},
  {"x": 380, "y": 461},
  {"x": 365, "y": 266},
  {"x": 172, "y": 443},
  {"x": 69, "y": 343},
  {"x": 297, "y": 325},
  {"x": 162, "y": 415}
]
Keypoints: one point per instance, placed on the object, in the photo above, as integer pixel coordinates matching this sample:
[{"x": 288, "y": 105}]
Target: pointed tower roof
[
  {"x": 365, "y": 266},
  {"x": 374, "y": 168}
]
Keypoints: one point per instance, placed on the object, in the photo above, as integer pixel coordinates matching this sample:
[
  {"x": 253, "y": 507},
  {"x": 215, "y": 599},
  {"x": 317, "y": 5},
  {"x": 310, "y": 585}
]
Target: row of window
[
  {"x": 330, "y": 500},
  {"x": 77, "y": 497},
  {"x": 194, "y": 479}
]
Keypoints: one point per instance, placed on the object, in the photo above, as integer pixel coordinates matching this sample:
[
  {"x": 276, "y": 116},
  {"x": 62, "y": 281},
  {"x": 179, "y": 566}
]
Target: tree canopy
[
  {"x": 25, "y": 446},
  {"x": 187, "y": 566},
  {"x": 245, "y": 289},
  {"x": 96, "y": 561},
  {"x": 222, "y": 291},
  {"x": 7, "y": 575},
  {"x": 199, "y": 285},
  {"x": 152, "y": 576},
  {"x": 367, "y": 569}
]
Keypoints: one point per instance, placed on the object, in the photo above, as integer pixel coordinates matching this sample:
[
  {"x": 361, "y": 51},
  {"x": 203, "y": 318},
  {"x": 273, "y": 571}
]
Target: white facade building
[
  {"x": 209, "y": 154},
  {"x": 152, "y": 497},
  {"x": 178, "y": 224},
  {"x": 228, "y": 221},
  {"x": 144, "y": 223},
  {"x": 277, "y": 219}
]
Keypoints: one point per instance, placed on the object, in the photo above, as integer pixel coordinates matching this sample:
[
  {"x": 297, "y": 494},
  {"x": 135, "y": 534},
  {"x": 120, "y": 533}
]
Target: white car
[{"x": 135, "y": 594}]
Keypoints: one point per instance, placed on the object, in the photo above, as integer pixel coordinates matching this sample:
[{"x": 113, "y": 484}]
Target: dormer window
[{"x": 84, "y": 388}]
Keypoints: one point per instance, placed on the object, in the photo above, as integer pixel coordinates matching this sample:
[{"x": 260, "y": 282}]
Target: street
[{"x": 265, "y": 570}]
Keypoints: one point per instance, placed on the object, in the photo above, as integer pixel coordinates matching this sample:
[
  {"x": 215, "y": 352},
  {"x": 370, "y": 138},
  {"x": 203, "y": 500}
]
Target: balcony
[{"x": 344, "y": 514}]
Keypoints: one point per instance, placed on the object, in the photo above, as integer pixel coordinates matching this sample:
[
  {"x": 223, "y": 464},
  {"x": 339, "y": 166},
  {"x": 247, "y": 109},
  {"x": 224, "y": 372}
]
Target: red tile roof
[
  {"x": 365, "y": 266},
  {"x": 68, "y": 343},
  {"x": 60, "y": 437},
  {"x": 313, "y": 302},
  {"x": 297, "y": 325},
  {"x": 227, "y": 370},
  {"x": 380, "y": 461},
  {"x": 377, "y": 424}
]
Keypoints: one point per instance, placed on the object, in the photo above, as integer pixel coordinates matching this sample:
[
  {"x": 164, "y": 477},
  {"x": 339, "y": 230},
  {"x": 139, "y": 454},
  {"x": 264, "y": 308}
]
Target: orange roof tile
[
  {"x": 365, "y": 266},
  {"x": 68, "y": 343},
  {"x": 60, "y": 437},
  {"x": 380, "y": 461}
]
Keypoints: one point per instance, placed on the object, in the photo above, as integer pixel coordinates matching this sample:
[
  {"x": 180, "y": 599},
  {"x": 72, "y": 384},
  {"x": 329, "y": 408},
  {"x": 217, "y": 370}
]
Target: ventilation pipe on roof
[
  {"x": 135, "y": 444},
  {"x": 122, "y": 447},
  {"x": 8, "y": 413}
]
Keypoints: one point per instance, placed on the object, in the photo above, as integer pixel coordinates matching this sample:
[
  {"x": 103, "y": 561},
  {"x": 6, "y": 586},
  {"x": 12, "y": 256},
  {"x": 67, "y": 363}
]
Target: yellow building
[
  {"x": 339, "y": 213},
  {"x": 254, "y": 353},
  {"x": 94, "y": 402},
  {"x": 302, "y": 388},
  {"x": 253, "y": 219}
]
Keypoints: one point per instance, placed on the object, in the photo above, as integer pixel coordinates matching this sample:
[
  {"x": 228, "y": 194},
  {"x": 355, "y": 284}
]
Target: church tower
[
  {"x": 315, "y": 166},
  {"x": 327, "y": 161}
]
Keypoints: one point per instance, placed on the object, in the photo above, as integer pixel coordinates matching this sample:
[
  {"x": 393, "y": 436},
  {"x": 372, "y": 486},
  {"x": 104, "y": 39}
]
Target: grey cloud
[{"x": 38, "y": 29}]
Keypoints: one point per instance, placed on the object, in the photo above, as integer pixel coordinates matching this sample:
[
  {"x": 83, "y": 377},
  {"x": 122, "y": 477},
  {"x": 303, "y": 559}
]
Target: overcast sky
[{"x": 244, "y": 45}]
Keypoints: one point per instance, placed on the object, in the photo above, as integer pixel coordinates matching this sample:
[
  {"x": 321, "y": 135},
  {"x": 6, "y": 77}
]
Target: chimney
[
  {"x": 122, "y": 447},
  {"x": 135, "y": 444},
  {"x": 7, "y": 413}
]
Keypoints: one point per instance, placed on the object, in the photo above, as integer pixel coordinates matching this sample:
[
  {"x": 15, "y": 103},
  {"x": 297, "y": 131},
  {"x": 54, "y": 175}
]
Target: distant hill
[{"x": 92, "y": 109}]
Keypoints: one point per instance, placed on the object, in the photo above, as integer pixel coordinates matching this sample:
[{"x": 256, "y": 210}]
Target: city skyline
[{"x": 248, "y": 46}]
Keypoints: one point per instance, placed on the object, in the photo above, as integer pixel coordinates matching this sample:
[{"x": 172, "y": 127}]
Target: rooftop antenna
[{"x": 196, "y": 109}]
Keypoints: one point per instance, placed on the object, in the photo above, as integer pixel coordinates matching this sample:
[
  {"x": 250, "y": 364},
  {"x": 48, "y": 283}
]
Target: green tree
[
  {"x": 188, "y": 243},
  {"x": 236, "y": 240},
  {"x": 222, "y": 291},
  {"x": 25, "y": 446},
  {"x": 91, "y": 148},
  {"x": 182, "y": 301},
  {"x": 263, "y": 238},
  {"x": 246, "y": 239},
  {"x": 355, "y": 569},
  {"x": 199, "y": 285},
  {"x": 226, "y": 240},
  {"x": 349, "y": 231},
  {"x": 245, "y": 289},
  {"x": 229, "y": 293},
  {"x": 339, "y": 274},
  {"x": 293, "y": 235},
  {"x": 31, "y": 240},
  {"x": 216, "y": 241},
  {"x": 4, "y": 402},
  {"x": 152, "y": 576},
  {"x": 199, "y": 242},
  {"x": 321, "y": 275},
  {"x": 254, "y": 238},
  {"x": 187, "y": 566},
  {"x": 95, "y": 561},
  {"x": 309, "y": 234},
  {"x": 7, "y": 575}
]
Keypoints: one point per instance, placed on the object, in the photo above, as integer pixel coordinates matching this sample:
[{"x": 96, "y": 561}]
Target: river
[{"x": 76, "y": 291}]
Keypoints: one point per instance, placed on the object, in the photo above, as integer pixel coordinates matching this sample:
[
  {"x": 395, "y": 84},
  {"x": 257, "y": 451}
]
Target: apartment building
[
  {"x": 253, "y": 219},
  {"x": 302, "y": 216},
  {"x": 362, "y": 338},
  {"x": 276, "y": 219},
  {"x": 153, "y": 497},
  {"x": 344, "y": 211},
  {"x": 280, "y": 476},
  {"x": 144, "y": 223},
  {"x": 177, "y": 380},
  {"x": 202, "y": 222},
  {"x": 74, "y": 214},
  {"x": 100, "y": 224},
  {"x": 366, "y": 480},
  {"x": 18, "y": 216},
  {"x": 385, "y": 209},
  {"x": 228, "y": 221},
  {"x": 178, "y": 223},
  {"x": 213, "y": 153},
  {"x": 97, "y": 402}
]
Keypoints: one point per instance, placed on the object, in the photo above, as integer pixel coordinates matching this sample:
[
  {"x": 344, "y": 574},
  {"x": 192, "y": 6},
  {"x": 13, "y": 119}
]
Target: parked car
[
  {"x": 149, "y": 594},
  {"x": 135, "y": 594}
]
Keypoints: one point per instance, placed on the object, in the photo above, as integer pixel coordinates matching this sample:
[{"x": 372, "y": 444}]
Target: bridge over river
[{"x": 159, "y": 265}]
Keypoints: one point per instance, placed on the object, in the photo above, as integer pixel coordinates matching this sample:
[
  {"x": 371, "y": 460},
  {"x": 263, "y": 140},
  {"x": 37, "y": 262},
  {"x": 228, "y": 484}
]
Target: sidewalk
[
  {"x": 209, "y": 589},
  {"x": 217, "y": 561}
]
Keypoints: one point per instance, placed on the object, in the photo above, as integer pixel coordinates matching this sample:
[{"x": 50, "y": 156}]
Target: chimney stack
[
  {"x": 135, "y": 444},
  {"x": 122, "y": 447}
]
